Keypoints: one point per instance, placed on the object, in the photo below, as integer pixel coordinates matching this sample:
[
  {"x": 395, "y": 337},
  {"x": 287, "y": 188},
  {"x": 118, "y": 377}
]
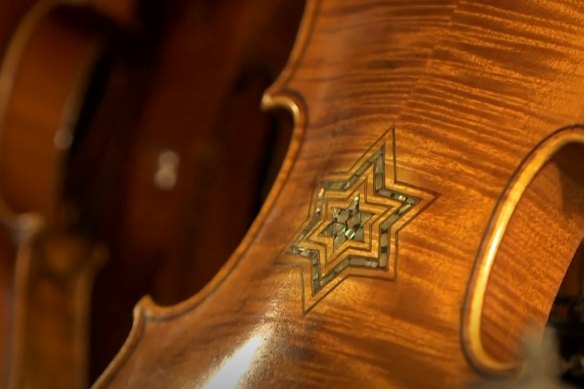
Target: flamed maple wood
[{"x": 475, "y": 92}]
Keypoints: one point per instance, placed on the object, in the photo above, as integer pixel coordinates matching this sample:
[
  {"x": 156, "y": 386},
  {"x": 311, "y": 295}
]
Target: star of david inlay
[{"x": 355, "y": 221}]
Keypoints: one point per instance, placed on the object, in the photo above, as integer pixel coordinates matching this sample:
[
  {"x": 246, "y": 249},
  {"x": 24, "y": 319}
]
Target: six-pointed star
[{"x": 368, "y": 213}]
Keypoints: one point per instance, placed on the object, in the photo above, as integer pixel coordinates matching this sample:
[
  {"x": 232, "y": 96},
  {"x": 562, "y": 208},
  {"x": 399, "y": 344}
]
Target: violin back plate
[{"x": 428, "y": 208}]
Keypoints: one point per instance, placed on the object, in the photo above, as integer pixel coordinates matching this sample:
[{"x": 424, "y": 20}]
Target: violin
[
  {"x": 47, "y": 266},
  {"x": 427, "y": 211}
]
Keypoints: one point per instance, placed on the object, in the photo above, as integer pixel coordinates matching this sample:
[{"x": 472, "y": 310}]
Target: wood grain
[{"x": 471, "y": 88}]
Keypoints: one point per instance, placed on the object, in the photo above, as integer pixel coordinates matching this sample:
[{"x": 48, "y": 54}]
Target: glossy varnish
[{"x": 477, "y": 93}]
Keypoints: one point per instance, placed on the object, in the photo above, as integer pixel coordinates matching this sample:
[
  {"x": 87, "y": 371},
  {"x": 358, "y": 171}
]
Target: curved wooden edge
[
  {"x": 477, "y": 287},
  {"x": 80, "y": 275},
  {"x": 277, "y": 96},
  {"x": 9, "y": 67},
  {"x": 305, "y": 30},
  {"x": 25, "y": 229},
  {"x": 155, "y": 312},
  {"x": 17, "y": 45}
]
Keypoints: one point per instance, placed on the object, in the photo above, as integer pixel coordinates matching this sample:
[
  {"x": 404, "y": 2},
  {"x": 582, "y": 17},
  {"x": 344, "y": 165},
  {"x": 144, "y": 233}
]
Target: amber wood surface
[{"x": 473, "y": 91}]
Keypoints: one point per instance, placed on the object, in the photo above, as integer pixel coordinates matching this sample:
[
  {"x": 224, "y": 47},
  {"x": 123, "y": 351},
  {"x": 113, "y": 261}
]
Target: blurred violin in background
[{"x": 125, "y": 126}]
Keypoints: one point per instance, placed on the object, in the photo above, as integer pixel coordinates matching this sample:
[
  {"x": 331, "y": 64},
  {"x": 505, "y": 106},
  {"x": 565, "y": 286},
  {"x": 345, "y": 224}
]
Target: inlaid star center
[{"x": 347, "y": 224}]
